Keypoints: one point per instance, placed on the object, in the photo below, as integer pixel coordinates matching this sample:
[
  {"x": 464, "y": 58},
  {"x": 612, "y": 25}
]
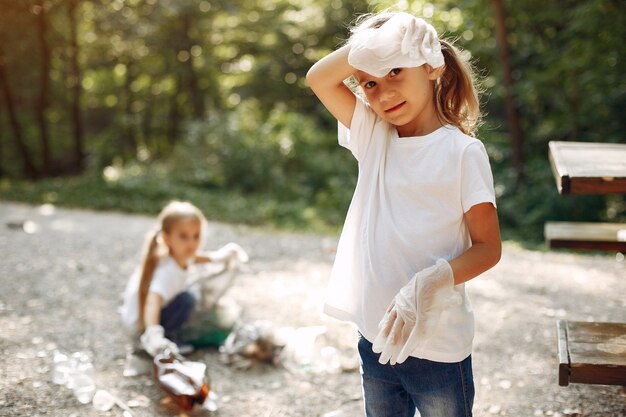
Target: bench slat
[
  {"x": 589, "y": 236},
  {"x": 581, "y": 331},
  {"x": 564, "y": 368},
  {"x": 597, "y": 353},
  {"x": 591, "y": 353}
]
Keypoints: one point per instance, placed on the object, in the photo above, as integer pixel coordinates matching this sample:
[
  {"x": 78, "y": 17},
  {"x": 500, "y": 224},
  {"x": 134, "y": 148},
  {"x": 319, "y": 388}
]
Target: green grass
[{"x": 147, "y": 194}]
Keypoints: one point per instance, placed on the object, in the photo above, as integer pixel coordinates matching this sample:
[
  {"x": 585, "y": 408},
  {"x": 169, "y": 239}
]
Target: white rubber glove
[
  {"x": 153, "y": 340},
  {"x": 415, "y": 312},
  {"x": 404, "y": 41},
  {"x": 228, "y": 252}
]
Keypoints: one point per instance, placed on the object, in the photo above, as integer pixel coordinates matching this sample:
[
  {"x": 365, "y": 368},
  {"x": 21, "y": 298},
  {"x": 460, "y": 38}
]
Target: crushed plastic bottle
[
  {"x": 76, "y": 372},
  {"x": 84, "y": 387},
  {"x": 249, "y": 342},
  {"x": 185, "y": 382},
  {"x": 61, "y": 367},
  {"x": 305, "y": 352},
  {"x": 103, "y": 400}
]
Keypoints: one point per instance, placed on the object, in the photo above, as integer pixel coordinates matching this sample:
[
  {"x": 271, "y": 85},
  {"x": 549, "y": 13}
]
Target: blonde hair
[
  {"x": 455, "y": 93},
  {"x": 155, "y": 248}
]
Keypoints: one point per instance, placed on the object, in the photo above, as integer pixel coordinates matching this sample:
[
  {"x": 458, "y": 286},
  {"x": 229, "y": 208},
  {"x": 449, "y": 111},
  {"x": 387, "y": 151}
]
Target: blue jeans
[
  {"x": 436, "y": 389},
  {"x": 176, "y": 313}
]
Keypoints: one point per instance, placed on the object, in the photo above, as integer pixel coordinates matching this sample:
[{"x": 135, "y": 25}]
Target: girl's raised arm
[{"x": 326, "y": 80}]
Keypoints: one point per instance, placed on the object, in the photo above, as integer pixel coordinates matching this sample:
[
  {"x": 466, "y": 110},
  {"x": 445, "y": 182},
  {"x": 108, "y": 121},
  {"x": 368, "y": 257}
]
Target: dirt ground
[{"x": 61, "y": 285}]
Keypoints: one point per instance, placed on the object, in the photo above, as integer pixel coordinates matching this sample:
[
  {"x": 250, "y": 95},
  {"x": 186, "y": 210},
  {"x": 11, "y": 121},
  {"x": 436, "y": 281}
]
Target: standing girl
[
  {"x": 422, "y": 220},
  {"x": 156, "y": 300}
]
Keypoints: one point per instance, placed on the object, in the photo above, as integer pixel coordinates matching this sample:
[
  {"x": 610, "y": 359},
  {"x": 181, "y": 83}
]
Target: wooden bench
[
  {"x": 590, "y": 236},
  {"x": 588, "y": 168},
  {"x": 591, "y": 353}
]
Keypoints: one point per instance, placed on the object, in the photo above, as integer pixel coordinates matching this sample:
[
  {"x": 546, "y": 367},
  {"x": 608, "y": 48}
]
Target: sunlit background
[{"x": 127, "y": 104}]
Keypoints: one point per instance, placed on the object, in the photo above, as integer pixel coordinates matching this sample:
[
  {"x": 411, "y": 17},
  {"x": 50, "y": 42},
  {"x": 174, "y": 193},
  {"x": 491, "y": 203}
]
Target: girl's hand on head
[{"x": 326, "y": 79}]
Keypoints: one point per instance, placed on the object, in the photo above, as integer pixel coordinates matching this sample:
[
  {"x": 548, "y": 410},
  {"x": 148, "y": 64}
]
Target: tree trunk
[
  {"x": 129, "y": 118},
  {"x": 193, "y": 85},
  {"x": 5, "y": 88},
  {"x": 511, "y": 110},
  {"x": 44, "y": 86},
  {"x": 3, "y": 169},
  {"x": 74, "y": 83},
  {"x": 146, "y": 124},
  {"x": 174, "y": 115}
]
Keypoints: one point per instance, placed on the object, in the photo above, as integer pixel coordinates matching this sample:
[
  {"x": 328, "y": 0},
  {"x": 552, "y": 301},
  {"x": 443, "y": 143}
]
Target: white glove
[
  {"x": 404, "y": 41},
  {"x": 229, "y": 251},
  {"x": 415, "y": 312},
  {"x": 153, "y": 340}
]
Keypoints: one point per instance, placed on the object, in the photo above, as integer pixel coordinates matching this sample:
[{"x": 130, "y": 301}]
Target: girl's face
[
  {"x": 404, "y": 98},
  {"x": 183, "y": 239}
]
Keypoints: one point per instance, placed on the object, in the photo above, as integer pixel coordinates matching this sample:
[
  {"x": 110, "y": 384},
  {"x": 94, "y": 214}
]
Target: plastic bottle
[
  {"x": 186, "y": 382},
  {"x": 79, "y": 364},
  {"x": 60, "y": 368},
  {"x": 80, "y": 377},
  {"x": 103, "y": 400},
  {"x": 84, "y": 387}
]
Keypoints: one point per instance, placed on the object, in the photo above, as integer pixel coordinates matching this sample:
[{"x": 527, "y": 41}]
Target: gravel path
[{"x": 61, "y": 285}]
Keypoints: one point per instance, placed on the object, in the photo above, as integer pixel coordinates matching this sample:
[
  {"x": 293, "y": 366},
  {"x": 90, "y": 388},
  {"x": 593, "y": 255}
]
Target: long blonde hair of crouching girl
[{"x": 156, "y": 248}]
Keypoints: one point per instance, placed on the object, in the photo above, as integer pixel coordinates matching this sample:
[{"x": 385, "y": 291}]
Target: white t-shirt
[
  {"x": 168, "y": 281},
  {"x": 407, "y": 211}
]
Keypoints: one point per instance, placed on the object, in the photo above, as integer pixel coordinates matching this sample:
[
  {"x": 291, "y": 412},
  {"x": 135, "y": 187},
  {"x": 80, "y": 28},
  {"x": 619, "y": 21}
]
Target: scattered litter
[
  {"x": 211, "y": 327},
  {"x": 250, "y": 342},
  {"x": 306, "y": 351},
  {"x": 76, "y": 372},
  {"x": 215, "y": 316},
  {"x": 104, "y": 401},
  {"x": 185, "y": 382},
  {"x": 140, "y": 401},
  {"x": 84, "y": 387},
  {"x": 299, "y": 350}
]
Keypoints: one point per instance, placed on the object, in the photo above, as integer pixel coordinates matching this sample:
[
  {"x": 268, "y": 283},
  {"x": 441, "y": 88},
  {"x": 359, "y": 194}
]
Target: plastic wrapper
[
  {"x": 215, "y": 315},
  {"x": 211, "y": 327}
]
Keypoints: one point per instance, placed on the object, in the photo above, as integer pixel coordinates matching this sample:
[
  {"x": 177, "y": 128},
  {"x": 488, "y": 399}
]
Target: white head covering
[{"x": 403, "y": 41}]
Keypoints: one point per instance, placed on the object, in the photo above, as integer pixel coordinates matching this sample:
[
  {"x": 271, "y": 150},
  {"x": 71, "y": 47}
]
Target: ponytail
[
  {"x": 456, "y": 97},
  {"x": 150, "y": 261},
  {"x": 155, "y": 248},
  {"x": 455, "y": 93}
]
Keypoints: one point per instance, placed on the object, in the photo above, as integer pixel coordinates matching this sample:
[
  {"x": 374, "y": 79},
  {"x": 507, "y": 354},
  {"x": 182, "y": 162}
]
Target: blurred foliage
[{"x": 206, "y": 100}]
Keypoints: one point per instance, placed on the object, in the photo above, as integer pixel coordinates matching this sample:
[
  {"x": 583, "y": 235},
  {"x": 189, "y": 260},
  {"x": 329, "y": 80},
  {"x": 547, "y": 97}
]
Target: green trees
[{"x": 214, "y": 91}]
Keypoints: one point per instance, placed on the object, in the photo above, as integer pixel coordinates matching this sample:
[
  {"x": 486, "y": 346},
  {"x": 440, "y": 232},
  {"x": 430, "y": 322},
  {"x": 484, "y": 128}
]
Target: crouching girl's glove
[
  {"x": 153, "y": 340},
  {"x": 415, "y": 312},
  {"x": 228, "y": 252}
]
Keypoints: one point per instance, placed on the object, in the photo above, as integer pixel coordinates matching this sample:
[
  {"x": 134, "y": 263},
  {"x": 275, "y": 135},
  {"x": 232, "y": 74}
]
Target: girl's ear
[
  {"x": 434, "y": 73},
  {"x": 166, "y": 238}
]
